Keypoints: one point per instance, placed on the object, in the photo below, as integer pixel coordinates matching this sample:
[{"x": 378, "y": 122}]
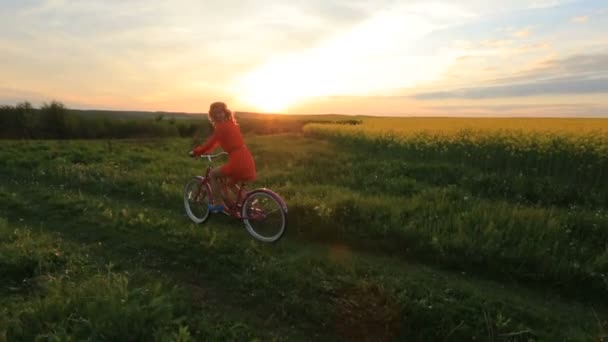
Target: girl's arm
[{"x": 208, "y": 146}]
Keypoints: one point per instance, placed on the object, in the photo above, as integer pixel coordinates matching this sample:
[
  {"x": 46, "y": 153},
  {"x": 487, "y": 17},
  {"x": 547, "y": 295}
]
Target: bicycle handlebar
[{"x": 211, "y": 156}]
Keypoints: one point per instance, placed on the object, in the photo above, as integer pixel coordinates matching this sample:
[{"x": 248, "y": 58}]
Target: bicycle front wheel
[
  {"x": 196, "y": 200},
  {"x": 264, "y": 215}
]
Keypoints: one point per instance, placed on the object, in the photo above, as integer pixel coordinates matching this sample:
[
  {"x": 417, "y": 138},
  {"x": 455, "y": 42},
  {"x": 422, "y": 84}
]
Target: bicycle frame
[
  {"x": 249, "y": 206},
  {"x": 232, "y": 207}
]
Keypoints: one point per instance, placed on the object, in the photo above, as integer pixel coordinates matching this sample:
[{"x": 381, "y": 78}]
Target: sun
[
  {"x": 367, "y": 60},
  {"x": 268, "y": 96},
  {"x": 267, "y": 101},
  {"x": 274, "y": 87}
]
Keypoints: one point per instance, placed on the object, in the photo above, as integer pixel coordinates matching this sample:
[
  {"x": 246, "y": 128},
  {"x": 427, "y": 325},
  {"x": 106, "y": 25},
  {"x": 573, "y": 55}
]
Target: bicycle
[{"x": 261, "y": 210}]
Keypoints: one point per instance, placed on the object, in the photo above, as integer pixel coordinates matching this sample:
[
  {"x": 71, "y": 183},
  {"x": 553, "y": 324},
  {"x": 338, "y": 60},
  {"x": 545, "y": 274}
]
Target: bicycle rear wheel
[
  {"x": 196, "y": 200},
  {"x": 264, "y": 215}
]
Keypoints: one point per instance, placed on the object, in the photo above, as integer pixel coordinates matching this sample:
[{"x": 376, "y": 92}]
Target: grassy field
[{"x": 419, "y": 234}]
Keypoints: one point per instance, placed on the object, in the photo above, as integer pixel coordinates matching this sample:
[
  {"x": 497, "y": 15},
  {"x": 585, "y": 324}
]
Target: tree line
[{"x": 55, "y": 121}]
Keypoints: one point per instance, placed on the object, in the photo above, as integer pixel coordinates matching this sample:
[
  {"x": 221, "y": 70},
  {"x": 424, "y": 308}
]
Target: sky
[{"x": 379, "y": 57}]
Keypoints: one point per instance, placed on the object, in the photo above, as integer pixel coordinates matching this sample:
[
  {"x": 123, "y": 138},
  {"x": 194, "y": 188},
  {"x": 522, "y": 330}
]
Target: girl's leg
[
  {"x": 234, "y": 188},
  {"x": 229, "y": 190},
  {"x": 216, "y": 179}
]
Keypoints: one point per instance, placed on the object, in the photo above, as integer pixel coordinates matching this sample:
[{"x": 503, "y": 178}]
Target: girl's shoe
[{"x": 216, "y": 208}]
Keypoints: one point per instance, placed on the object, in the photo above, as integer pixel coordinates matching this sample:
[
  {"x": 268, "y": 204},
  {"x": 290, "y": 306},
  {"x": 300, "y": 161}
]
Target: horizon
[
  {"x": 376, "y": 115},
  {"x": 546, "y": 58}
]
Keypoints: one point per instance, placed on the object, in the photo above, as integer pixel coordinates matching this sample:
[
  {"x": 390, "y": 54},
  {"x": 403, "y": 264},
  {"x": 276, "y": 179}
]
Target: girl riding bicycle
[{"x": 227, "y": 134}]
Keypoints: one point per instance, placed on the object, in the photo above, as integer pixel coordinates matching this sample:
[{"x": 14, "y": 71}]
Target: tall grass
[
  {"x": 375, "y": 209},
  {"x": 578, "y": 159},
  {"x": 525, "y": 201},
  {"x": 449, "y": 215}
]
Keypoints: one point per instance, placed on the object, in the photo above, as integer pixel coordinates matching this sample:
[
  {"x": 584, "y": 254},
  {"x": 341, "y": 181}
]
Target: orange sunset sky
[{"x": 487, "y": 58}]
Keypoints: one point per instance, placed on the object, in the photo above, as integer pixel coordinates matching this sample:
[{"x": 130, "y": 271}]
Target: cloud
[
  {"x": 243, "y": 31},
  {"x": 533, "y": 47},
  {"x": 578, "y": 74},
  {"x": 523, "y": 33},
  {"x": 576, "y": 67},
  {"x": 575, "y": 106},
  {"x": 373, "y": 56},
  {"x": 496, "y": 43},
  {"x": 153, "y": 52},
  {"x": 544, "y": 4},
  {"x": 559, "y": 86},
  {"x": 580, "y": 19},
  {"x": 142, "y": 49}
]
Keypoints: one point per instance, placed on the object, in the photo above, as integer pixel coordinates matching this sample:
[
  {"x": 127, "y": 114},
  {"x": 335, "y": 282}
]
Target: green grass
[{"x": 95, "y": 244}]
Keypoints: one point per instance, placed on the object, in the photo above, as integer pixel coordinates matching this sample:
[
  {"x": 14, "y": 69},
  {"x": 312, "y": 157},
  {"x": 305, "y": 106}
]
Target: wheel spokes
[
  {"x": 194, "y": 197},
  {"x": 264, "y": 217}
]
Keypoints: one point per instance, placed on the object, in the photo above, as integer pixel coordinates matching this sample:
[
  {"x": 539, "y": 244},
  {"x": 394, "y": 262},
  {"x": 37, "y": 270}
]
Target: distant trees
[
  {"x": 16, "y": 122},
  {"x": 55, "y": 121}
]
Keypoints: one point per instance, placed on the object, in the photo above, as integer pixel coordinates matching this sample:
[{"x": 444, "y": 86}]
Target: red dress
[{"x": 240, "y": 167}]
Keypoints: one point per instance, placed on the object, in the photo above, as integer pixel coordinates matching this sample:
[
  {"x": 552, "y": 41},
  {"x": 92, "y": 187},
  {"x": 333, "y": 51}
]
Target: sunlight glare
[{"x": 366, "y": 60}]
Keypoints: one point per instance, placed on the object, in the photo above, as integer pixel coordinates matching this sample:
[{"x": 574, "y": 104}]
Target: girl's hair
[{"x": 219, "y": 112}]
